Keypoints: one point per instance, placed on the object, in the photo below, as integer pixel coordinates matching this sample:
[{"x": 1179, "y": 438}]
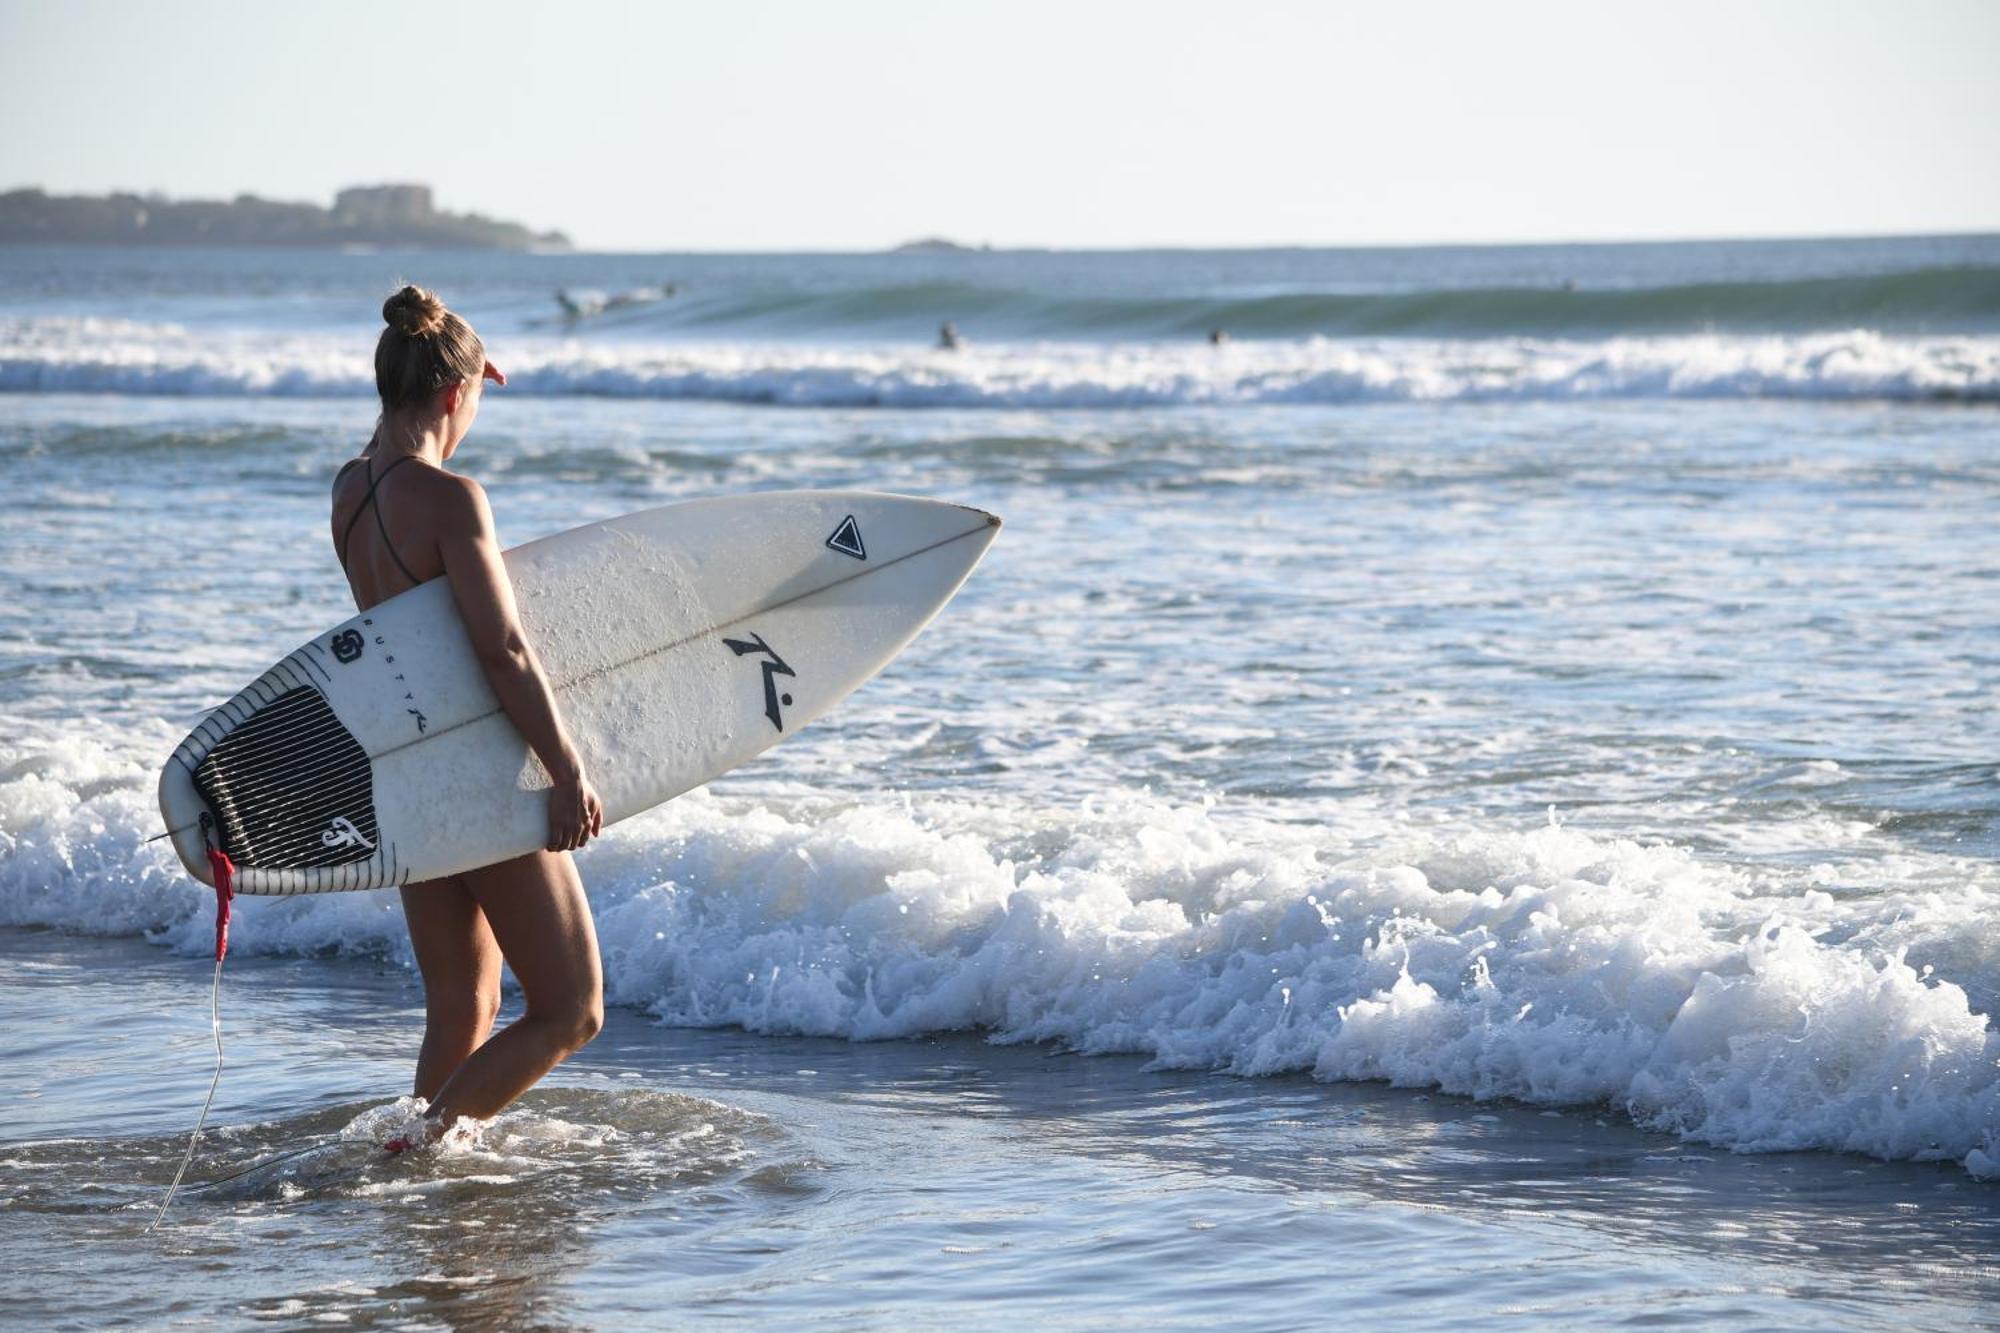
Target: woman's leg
[
  {"x": 460, "y": 964},
  {"x": 535, "y": 907}
]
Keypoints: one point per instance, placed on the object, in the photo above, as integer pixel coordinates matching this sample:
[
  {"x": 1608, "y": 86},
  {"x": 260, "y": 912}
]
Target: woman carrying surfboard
[{"x": 430, "y": 369}]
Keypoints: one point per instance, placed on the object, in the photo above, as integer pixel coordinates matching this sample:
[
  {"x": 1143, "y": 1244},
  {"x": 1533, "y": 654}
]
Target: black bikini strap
[{"x": 369, "y": 502}]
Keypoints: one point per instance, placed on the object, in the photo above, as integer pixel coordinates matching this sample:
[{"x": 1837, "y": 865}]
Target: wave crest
[
  {"x": 1928, "y": 300},
  {"x": 97, "y": 356}
]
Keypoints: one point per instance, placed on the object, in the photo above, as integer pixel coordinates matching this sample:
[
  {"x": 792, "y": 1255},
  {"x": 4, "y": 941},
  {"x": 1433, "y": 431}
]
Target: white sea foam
[
  {"x": 1544, "y": 964},
  {"x": 113, "y": 356}
]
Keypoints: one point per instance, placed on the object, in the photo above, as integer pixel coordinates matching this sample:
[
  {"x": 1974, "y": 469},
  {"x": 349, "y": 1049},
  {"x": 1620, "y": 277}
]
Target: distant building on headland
[
  {"x": 398, "y": 216},
  {"x": 384, "y": 206}
]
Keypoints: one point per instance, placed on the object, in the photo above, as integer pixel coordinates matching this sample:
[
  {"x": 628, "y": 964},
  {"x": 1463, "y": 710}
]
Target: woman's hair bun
[
  {"x": 424, "y": 349},
  {"x": 414, "y": 312}
]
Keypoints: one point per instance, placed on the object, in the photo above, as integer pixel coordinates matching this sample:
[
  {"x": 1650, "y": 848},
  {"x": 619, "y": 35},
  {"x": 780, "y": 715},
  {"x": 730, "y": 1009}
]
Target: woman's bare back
[{"x": 404, "y": 504}]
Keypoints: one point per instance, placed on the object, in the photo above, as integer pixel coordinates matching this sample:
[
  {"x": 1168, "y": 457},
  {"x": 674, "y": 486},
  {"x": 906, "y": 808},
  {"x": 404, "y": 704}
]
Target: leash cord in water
[
  {"x": 223, "y": 873},
  {"x": 263, "y": 1162},
  {"x": 215, "y": 1030}
]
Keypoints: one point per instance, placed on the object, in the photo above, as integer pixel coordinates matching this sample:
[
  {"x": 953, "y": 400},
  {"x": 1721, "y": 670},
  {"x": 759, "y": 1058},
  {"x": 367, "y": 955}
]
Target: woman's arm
[{"x": 471, "y": 551}]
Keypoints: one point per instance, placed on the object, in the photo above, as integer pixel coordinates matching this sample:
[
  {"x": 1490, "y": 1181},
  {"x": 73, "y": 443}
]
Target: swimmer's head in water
[{"x": 426, "y": 348}]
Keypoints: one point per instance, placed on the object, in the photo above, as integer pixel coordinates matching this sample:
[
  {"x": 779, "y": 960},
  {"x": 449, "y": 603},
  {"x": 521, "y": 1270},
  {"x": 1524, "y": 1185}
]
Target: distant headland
[
  {"x": 936, "y": 245},
  {"x": 385, "y": 215}
]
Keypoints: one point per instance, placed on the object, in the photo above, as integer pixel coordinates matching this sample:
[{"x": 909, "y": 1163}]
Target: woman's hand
[{"x": 575, "y": 814}]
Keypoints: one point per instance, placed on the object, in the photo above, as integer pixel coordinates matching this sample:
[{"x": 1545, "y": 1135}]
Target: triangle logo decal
[{"x": 846, "y": 539}]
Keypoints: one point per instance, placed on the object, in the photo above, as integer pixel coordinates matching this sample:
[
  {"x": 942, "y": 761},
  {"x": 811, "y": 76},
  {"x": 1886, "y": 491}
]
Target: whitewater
[
  {"x": 1546, "y": 965},
  {"x": 87, "y": 355}
]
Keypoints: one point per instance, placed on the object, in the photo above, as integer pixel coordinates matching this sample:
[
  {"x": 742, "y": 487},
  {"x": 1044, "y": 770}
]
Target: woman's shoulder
[
  {"x": 446, "y": 482},
  {"x": 351, "y": 468},
  {"x": 452, "y": 498}
]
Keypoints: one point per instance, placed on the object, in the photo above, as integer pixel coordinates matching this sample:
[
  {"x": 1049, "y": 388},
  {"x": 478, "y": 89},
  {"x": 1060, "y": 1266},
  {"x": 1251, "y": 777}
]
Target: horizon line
[{"x": 961, "y": 248}]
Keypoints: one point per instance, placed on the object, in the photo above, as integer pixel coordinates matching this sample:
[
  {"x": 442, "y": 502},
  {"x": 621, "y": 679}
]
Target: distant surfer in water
[
  {"x": 430, "y": 368},
  {"x": 948, "y": 339}
]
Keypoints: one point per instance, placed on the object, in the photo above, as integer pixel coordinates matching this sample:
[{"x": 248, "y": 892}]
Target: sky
[{"x": 1086, "y": 123}]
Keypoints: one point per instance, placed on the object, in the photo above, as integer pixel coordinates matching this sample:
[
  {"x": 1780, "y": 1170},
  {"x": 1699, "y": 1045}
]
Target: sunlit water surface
[{"x": 1589, "y": 732}]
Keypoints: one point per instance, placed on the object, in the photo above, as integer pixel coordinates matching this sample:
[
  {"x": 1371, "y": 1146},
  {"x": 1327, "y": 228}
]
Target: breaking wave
[
  {"x": 74, "y": 355},
  {"x": 1543, "y": 964},
  {"x": 1928, "y": 300}
]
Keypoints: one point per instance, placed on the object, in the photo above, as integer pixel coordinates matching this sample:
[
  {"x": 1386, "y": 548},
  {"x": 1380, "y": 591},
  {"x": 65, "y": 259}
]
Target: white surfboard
[{"x": 681, "y": 642}]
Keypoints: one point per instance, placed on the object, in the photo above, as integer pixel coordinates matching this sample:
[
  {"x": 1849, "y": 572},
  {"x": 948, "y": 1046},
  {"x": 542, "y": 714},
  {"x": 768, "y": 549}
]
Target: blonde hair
[{"x": 425, "y": 348}]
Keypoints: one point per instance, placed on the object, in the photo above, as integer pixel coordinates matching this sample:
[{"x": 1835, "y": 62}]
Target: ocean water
[{"x": 1475, "y": 799}]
